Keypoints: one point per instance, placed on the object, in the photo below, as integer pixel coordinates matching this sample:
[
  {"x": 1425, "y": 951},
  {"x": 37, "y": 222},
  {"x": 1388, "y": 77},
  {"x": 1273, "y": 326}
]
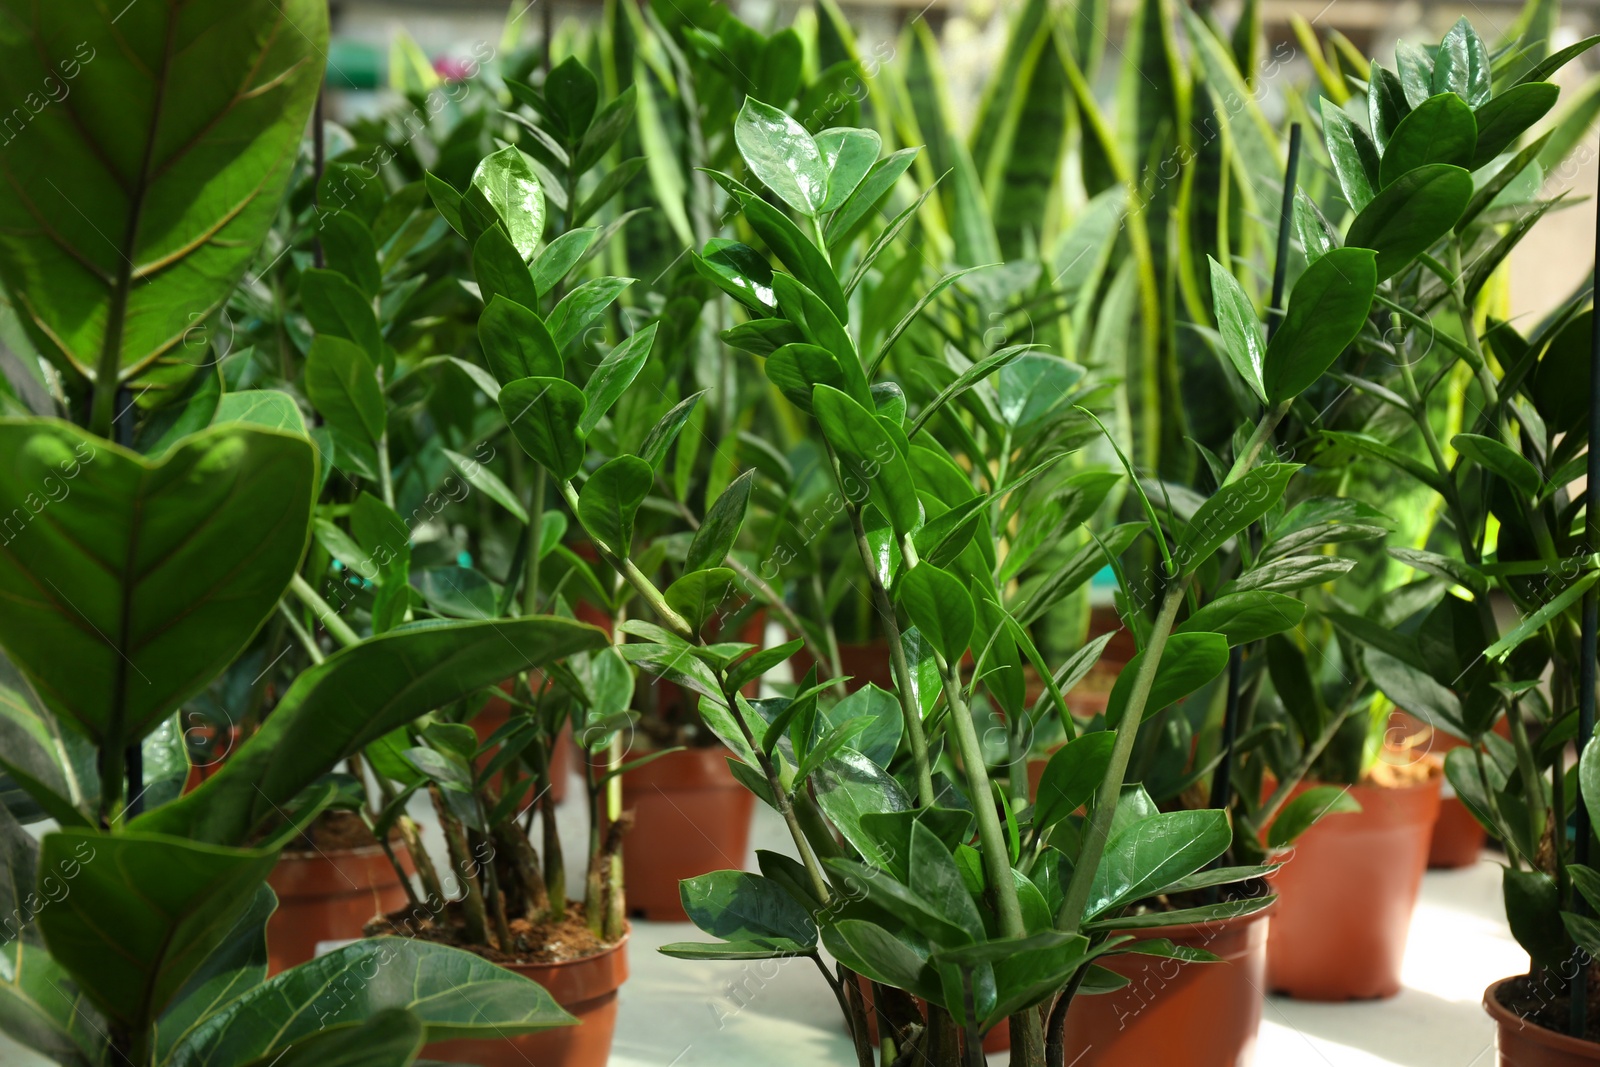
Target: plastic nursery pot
[
  {"x": 1523, "y": 1042},
  {"x": 494, "y": 715},
  {"x": 1196, "y": 1014},
  {"x": 1346, "y": 894},
  {"x": 691, "y": 817},
  {"x": 1458, "y": 838},
  {"x": 329, "y": 895},
  {"x": 585, "y": 988}
]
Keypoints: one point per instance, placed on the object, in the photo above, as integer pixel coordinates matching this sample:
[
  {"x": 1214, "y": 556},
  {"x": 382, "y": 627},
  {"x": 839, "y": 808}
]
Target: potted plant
[
  {"x": 142, "y": 916},
  {"x": 895, "y": 816}
]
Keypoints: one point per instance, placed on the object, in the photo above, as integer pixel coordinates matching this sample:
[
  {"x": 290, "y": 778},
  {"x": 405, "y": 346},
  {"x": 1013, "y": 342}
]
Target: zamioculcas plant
[
  {"x": 1003, "y": 923},
  {"x": 1434, "y": 188},
  {"x": 134, "y": 576}
]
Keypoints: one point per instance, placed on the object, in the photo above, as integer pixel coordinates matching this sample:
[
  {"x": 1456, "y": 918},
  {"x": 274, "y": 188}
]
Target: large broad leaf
[
  {"x": 235, "y": 968},
  {"x": 1155, "y": 852},
  {"x": 850, "y": 786},
  {"x": 739, "y": 906},
  {"x": 1440, "y": 130},
  {"x": 1071, "y": 777},
  {"x": 144, "y": 912},
  {"x": 1327, "y": 309},
  {"x": 359, "y": 694},
  {"x": 544, "y": 414},
  {"x": 456, "y": 995},
  {"x": 34, "y": 742},
  {"x": 390, "y": 1038},
  {"x": 130, "y": 213},
  {"x": 130, "y": 593},
  {"x": 1417, "y": 209}
]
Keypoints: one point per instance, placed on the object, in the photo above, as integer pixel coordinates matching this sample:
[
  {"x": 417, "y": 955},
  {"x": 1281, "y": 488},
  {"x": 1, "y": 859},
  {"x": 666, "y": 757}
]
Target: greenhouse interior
[{"x": 1058, "y": 533}]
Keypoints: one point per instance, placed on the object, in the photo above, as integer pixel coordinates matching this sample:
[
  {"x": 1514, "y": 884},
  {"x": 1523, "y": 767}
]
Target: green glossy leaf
[
  {"x": 500, "y": 270},
  {"x": 1411, "y": 213},
  {"x": 1071, "y": 778},
  {"x": 850, "y": 786},
  {"x": 391, "y": 1037},
  {"x": 1508, "y": 116},
  {"x": 348, "y": 248},
  {"x": 1241, "y": 330},
  {"x": 717, "y": 534},
  {"x": 796, "y": 252},
  {"x": 133, "y": 212},
  {"x": 858, "y": 207},
  {"x": 613, "y": 376},
  {"x": 516, "y": 342},
  {"x": 1439, "y": 130},
  {"x": 1493, "y": 456},
  {"x": 1245, "y": 617},
  {"x": 455, "y": 994},
  {"x": 610, "y": 499},
  {"x": 336, "y": 308},
  {"x": 1231, "y": 509},
  {"x": 661, "y": 435},
  {"x": 581, "y": 307},
  {"x": 1461, "y": 65},
  {"x": 1327, "y": 309},
  {"x": 1305, "y": 810},
  {"x": 350, "y": 700},
  {"x": 1188, "y": 661},
  {"x": 143, "y": 913},
  {"x": 557, "y": 258},
  {"x": 571, "y": 95},
  {"x": 940, "y": 607},
  {"x": 783, "y": 155},
  {"x": 1149, "y": 855},
  {"x": 544, "y": 414},
  {"x": 760, "y": 948},
  {"x": 739, "y": 906},
  {"x": 134, "y": 591},
  {"x": 870, "y": 950},
  {"x": 1354, "y": 156},
  {"x": 1533, "y": 911},
  {"x": 507, "y": 181},
  {"x": 1589, "y": 777},
  {"x": 43, "y": 1009},
  {"x": 343, "y": 385},
  {"x": 796, "y": 368},
  {"x": 740, "y": 271},
  {"x": 697, "y": 595},
  {"x": 849, "y": 154},
  {"x": 869, "y": 458}
]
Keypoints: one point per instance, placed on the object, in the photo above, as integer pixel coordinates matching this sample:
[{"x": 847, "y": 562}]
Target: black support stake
[
  {"x": 133, "y": 754},
  {"x": 1586, "y": 666}
]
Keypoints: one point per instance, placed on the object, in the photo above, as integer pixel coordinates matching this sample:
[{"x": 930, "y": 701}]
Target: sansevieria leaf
[{"x": 130, "y": 213}]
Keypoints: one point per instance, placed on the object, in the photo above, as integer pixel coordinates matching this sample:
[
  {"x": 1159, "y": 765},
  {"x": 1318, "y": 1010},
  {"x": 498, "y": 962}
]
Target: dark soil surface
[
  {"x": 1544, "y": 1001},
  {"x": 547, "y": 942}
]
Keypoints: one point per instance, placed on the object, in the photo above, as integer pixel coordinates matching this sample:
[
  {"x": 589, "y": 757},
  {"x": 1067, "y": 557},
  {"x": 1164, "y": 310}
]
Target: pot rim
[
  {"x": 603, "y": 955},
  {"x": 331, "y": 855},
  {"x": 1535, "y": 1032}
]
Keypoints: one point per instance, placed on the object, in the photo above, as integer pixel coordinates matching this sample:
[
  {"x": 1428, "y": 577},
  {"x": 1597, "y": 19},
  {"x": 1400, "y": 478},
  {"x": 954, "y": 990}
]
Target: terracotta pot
[
  {"x": 1347, "y": 893},
  {"x": 329, "y": 896},
  {"x": 1196, "y": 1014},
  {"x": 863, "y": 662},
  {"x": 221, "y": 743},
  {"x": 1457, "y": 836},
  {"x": 691, "y": 817},
  {"x": 1524, "y": 1043},
  {"x": 586, "y": 988},
  {"x": 494, "y": 715}
]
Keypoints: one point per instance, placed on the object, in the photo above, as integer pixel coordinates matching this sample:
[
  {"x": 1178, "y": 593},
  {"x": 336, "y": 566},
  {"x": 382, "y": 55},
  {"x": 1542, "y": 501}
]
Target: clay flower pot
[
  {"x": 1196, "y": 1014},
  {"x": 1524, "y": 1043},
  {"x": 586, "y": 988},
  {"x": 1457, "y": 836},
  {"x": 1346, "y": 895},
  {"x": 329, "y": 895},
  {"x": 691, "y": 817}
]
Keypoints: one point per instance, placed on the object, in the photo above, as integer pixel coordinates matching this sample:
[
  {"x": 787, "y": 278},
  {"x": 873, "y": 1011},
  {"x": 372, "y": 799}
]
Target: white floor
[{"x": 778, "y": 1014}]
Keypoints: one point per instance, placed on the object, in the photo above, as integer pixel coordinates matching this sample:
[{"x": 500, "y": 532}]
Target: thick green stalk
[
  {"x": 530, "y": 588},
  {"x": 991, "y": 838},
  {"x": 1070, "y": 916},
  {"x": 329, "y": 618},
  {"x": 640, "y": 582}
]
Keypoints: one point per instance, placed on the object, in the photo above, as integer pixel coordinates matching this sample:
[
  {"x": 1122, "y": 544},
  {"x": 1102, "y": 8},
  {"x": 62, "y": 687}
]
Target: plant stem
[
  {"x": 1070, "y": 916},
  {"x": 640, "y": 582},
  {"x": 324, "y": 611},
  {"x": 991, "y": 838},
  {"x": 385, "y": 477},
  {"x": 305, "y": 639},
  {"x": 530, "y": 589}
]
